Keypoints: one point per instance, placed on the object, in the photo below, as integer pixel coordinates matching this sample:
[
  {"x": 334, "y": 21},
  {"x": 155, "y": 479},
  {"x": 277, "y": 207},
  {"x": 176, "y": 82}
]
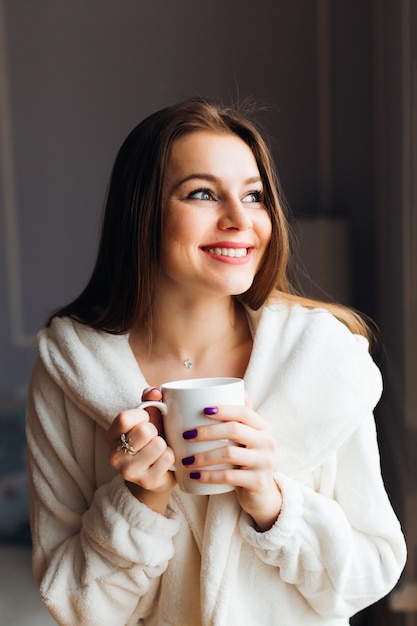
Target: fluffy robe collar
[{"x": 308, "y": 375}]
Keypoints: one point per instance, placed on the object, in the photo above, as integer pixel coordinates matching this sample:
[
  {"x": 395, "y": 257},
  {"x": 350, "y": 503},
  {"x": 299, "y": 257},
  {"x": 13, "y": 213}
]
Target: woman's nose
[{"x": 234, "y": 215}]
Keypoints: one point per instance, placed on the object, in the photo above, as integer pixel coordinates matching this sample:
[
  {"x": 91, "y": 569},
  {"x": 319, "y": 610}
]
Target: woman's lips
[{"x": 235, "y": 252}]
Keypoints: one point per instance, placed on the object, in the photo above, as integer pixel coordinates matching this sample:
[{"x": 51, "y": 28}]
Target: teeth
[{"x": 231, "y": 252}]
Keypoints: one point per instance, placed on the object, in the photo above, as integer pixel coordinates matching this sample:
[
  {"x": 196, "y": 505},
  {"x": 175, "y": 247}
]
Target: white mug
[{"x": 183, "y": 409}]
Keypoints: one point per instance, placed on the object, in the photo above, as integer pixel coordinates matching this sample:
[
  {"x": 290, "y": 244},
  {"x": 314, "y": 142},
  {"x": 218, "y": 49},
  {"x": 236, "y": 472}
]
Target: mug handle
[
  {"x": 162, "y": 407},
  {"x": 159, "y": 405}
]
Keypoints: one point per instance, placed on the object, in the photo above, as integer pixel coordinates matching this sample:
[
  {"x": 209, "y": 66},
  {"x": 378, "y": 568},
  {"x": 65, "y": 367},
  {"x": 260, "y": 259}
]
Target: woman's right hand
[{"x": 146, "y": 471}]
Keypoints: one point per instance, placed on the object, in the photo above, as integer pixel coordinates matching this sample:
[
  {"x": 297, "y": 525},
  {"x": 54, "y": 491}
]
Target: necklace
[{"x": 187, "y": 363}]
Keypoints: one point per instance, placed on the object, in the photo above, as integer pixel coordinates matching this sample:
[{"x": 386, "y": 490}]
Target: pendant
[{"x": 188, "y": 364}]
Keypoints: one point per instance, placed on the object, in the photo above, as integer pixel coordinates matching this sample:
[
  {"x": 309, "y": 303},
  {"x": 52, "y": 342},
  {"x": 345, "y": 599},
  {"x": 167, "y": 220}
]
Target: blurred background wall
[{"x": 340, "y": 80}]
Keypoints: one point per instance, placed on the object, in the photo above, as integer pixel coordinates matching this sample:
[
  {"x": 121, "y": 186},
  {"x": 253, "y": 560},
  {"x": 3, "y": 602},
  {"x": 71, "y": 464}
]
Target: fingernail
[
  {"x": 195, "y": 475},
  {"x": 148, "y": 390},
  {"x": 190, "y": 434},
  {"x": 189, "y": 460},
  {"x": 210, "y": 410}
]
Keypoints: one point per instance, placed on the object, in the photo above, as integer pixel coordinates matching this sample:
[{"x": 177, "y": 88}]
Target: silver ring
[{"x": 125, "y": 445}]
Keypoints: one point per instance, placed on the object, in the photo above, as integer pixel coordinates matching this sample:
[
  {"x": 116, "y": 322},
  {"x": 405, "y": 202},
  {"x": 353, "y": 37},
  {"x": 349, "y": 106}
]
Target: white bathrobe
[{"x": 103, "y": 558}]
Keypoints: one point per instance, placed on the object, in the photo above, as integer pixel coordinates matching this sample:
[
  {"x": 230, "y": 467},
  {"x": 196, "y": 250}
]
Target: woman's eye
[
  {"x": 200, "y": 194},
  {"x": 253, "y": 196}
]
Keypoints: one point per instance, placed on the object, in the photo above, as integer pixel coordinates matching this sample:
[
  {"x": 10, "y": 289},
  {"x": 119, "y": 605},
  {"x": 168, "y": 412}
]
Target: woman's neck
[{"x": 194, "y": 340}]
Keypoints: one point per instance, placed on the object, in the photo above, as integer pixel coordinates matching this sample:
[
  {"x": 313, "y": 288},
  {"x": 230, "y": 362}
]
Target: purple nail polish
[
  {"x": 195, "y": 475},
  {"x": 210, "y": 410},
  {"x": 189, "y": 460},
  {"x": 190, "y": 434}
]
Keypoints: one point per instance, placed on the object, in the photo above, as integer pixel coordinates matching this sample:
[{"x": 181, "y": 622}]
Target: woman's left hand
[{"x": 253, "y": 458}]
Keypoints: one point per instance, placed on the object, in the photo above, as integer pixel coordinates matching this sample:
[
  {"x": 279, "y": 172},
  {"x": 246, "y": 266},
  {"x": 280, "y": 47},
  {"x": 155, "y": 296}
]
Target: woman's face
[{"x": 215, "y": 225}]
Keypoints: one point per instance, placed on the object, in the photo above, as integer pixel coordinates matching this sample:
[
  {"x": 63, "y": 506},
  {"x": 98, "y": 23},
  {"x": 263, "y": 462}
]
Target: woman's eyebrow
[
  {"x": 208, "y": 177},
  {"x": 211, "y": 178}
]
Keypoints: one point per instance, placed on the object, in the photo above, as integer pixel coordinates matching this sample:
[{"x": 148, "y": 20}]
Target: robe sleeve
[
  {"x": 342, "y": 550},
  {"x": 98, "y": 552}
]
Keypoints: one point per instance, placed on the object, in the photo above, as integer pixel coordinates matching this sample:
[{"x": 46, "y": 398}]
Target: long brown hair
[{"x": 122, "y": 287}]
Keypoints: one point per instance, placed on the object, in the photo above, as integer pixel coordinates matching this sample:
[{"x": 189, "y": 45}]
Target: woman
[{"x": 191, "y": 281}]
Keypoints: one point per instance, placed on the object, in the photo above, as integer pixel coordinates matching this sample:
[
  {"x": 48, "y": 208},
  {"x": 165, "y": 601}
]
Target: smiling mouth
[{"x": 229, "y": 252}]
